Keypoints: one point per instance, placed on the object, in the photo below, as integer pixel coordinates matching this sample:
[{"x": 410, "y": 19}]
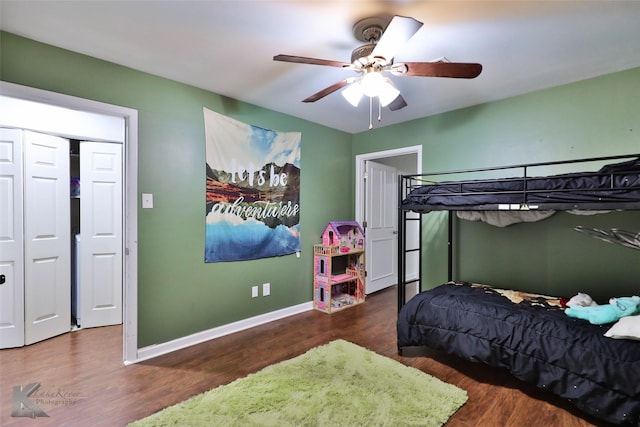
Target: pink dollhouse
[
  {"x": 339, "y": 267},
  {"x": 347, "y": 235}
]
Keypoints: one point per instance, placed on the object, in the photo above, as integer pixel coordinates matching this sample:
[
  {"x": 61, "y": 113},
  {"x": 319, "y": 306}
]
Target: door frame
[
  {"x": 361, "y": 160},
  {"x": 130, "y": 183}
]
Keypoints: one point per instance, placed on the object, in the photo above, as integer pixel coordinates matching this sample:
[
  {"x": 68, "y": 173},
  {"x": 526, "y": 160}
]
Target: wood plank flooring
[{"x": 84, "y": 382}]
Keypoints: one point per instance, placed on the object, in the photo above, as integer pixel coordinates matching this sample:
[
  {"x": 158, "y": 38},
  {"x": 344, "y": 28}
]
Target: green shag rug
[{"x": 336, "y": 384}]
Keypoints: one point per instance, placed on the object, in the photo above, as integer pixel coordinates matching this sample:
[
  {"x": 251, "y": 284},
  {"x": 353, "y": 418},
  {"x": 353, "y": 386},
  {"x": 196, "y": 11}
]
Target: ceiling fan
[{"x": 383, "y": 39}]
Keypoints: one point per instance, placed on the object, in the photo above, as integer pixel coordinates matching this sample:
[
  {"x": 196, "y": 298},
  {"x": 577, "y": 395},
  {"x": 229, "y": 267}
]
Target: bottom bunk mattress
[{"x": 532, "y": 337}]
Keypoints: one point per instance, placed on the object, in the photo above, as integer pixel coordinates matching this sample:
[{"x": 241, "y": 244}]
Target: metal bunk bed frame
[{"x": 407, "y": 183}]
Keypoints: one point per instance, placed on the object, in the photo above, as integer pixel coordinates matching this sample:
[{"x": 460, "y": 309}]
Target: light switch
[{"x": 147, "y": 200}]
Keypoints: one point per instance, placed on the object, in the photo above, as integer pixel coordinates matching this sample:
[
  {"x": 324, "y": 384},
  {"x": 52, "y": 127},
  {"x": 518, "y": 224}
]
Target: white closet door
[
  {"x": 11, "y": 241},
  {"x": 101, "y": 234},
  {"x": 47, "y": 240}
]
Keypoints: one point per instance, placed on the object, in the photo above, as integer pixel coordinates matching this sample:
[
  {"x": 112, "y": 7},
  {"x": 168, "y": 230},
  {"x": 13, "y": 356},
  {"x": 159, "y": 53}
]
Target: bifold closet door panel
[
  {"x": 47, "y": 237},
  {"x": 101, "y": 228},
  {"x": 11, "y": 240}
]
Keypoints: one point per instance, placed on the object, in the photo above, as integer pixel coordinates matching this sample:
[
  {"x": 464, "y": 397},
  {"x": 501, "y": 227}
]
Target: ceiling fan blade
[
  {"x": 314, "y": 61},
  {"x": 397, "y": 33},
  {"x": 397, "y": 103},
  {"x": 328, "y": 90},
  {"x": 460, "y": 70}
]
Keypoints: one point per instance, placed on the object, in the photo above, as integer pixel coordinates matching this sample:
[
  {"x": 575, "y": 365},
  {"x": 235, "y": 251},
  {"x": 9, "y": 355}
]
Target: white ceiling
[{"x": 227, "y": 47}]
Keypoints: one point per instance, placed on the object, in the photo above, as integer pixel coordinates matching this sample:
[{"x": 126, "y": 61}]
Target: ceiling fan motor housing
[
  {"x": 370, "y": 29},
  {"x": 362, "y": 52}
]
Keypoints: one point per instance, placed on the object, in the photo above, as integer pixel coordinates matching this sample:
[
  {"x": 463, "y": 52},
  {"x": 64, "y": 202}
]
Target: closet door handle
[{"x": 3, "y": 279}]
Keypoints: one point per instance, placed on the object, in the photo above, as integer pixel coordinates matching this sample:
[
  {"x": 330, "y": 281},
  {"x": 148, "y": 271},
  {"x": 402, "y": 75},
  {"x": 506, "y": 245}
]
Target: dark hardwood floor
[{"x": 84, "y": 382}]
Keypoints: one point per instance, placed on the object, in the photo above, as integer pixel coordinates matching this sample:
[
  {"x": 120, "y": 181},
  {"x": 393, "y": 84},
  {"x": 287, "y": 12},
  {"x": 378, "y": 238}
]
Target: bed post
[
  {"x": 401, "y": 246},
  {"x": 450, "y": 248}
]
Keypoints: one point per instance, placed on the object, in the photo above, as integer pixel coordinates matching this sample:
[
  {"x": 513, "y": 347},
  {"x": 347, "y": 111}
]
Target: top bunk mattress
[{"x": 614, "y": 186}]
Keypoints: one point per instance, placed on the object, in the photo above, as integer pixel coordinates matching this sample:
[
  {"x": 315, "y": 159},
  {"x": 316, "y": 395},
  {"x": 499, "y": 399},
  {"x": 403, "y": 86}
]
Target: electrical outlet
[
  {"x": 266, "y": 289},
  {"x": 254, "y": 291}
]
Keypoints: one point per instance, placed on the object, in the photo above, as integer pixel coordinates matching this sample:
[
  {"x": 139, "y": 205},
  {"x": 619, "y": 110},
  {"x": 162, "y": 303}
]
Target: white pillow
[{"x": 626, "y": 328}]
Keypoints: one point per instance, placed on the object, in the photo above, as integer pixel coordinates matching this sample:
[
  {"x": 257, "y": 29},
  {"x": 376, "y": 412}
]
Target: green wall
[
  {"x": 595, "y": 117},
  {"x": 178, "y": 293}
]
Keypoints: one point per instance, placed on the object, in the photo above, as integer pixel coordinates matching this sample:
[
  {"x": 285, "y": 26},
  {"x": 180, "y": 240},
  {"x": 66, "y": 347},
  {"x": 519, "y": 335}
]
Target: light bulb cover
[
  {"x": 371, "y": 83},
  {"x": 374, "y": 84},
  {"x": 387, "y": 93},
  {"x": 353, "y": 93}
]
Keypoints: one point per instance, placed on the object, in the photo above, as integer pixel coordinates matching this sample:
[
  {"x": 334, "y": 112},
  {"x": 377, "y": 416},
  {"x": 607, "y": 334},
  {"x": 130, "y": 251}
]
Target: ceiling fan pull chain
[{"x": 370, "y": 113}]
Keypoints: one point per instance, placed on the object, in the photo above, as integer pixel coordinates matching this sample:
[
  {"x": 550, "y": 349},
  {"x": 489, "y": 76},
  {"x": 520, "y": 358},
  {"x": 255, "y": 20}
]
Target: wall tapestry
[{"x": 253, "y": 190}]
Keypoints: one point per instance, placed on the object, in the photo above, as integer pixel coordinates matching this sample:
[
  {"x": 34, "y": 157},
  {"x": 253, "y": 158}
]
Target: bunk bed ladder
[
  {"x": 450, "y": 246},
  {"x": 403, "y": 251}
]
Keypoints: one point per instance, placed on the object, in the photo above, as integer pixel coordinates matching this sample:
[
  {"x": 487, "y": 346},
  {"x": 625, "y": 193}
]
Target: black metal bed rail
[
  {"x": 419, "y": 180},
  {"x": 416, "y": 183},
  {"x": 523, "y": 184},
  {"x": 525, "y": 166}
]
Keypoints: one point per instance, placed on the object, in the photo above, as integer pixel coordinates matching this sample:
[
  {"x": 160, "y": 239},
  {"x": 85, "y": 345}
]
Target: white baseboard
[{"x": 156, "y": 350}]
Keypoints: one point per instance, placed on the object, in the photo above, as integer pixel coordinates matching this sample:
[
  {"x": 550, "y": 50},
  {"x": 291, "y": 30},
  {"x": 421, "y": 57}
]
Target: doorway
[
  {"x": 71, "y": 117},
  {"x": 376, "y": 209}
]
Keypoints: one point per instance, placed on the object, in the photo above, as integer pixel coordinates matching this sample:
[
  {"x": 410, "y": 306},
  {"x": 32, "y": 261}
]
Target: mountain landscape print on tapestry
[
  {"x": 252, "y": 191},
  {"x": 220, "y": 189}
]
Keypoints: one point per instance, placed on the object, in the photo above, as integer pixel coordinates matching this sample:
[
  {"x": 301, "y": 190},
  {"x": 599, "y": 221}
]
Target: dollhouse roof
[{"x": 343, "y": 227}]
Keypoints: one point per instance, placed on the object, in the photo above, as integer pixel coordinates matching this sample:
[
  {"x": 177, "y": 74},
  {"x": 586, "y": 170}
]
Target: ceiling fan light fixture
[
  {"x": 374, "y": 84},
  {"x": 353, "y": 94},
  {"x": 387, "y": 93}
]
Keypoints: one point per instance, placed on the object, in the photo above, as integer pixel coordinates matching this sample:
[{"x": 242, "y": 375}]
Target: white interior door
[
  {"x": 47, "y": 240},
  {"x": 11, "y": 240},
  {"x": 101, "y": 234},
  {"x": 381, "y": 234}
]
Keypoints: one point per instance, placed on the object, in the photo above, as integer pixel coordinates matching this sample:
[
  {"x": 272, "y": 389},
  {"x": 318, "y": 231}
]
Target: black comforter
[
  {"x": 615, "y": 183},
  {"x": 537, "y": 343}
]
